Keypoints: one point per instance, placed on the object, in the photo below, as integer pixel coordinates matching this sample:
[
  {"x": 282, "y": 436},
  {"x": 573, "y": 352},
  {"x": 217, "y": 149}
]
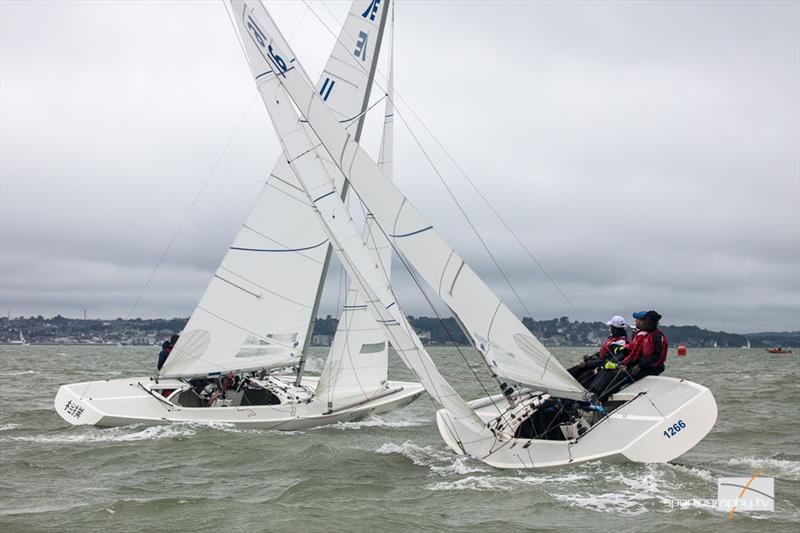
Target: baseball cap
[
  {"x": 652, "y": 315},
  {"x": 616, "y": 321}
]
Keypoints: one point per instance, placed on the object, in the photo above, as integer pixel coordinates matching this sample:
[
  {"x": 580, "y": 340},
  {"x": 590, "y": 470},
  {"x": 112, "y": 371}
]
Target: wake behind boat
[
  {"x": 256, "y": 317},
  {"x": 654, "y": 420}
]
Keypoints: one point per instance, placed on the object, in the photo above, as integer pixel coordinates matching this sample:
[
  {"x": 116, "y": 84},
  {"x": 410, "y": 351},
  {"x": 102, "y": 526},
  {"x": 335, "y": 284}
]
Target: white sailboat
[
  {"x": 654, "y": 420},
  {"x": 258, "y": 311},
  {"x": 747, "y": 344},
  {"x": 21, "y": 341}
]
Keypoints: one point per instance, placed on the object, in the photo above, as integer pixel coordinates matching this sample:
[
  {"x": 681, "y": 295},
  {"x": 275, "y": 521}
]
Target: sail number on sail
[{"x": 277, "y": 61}]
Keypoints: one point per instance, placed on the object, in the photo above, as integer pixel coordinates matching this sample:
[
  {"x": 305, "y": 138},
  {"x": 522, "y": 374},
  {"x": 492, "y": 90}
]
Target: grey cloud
[{"x": 646, "y": 152}]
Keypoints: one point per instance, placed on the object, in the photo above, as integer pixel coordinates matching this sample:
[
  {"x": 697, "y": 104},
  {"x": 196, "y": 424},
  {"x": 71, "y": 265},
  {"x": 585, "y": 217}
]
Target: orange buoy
[{"x": 681, "y": 350}]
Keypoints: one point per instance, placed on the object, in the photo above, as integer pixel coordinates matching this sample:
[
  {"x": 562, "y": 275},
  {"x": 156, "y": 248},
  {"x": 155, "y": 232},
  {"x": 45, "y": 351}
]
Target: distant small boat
[
  {"x": 21, "y": 341},
  {"x": 778, "y": 349},
  {"x": 747, "y": 346},
  {"x": 715, "y": 344}
]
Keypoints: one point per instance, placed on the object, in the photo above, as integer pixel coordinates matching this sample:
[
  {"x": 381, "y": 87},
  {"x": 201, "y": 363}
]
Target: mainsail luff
[
  {"x": 507, "y": 346},
  {"x": 260, "y": 304}
]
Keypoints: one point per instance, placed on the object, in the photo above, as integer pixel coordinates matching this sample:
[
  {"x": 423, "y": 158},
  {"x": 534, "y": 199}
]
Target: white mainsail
[
  {"x": 507, "y": 346},
  {"x": 259, "y": 308},
  {"x": 358, "y": 363}
]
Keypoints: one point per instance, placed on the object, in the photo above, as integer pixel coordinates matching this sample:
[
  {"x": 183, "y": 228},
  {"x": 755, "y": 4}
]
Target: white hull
[
  {"x": 637, "y": 431},
  {"x": 123, "y": 402}
]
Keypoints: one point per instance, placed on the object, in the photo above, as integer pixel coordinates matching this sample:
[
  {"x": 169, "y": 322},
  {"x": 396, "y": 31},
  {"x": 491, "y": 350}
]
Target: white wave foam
[
  {"x": 374, "y": 421},
  {"x": 17, "y": 373},
  {"x": 440, "y": 462},
  {"x": 696, "y": 471},
  {"x": 638, "y": 488},
  {"x": 8, "y": 427},
  {"x": 774, "y": 467},
  {"x": 228, "y": 427},
  {"x": 503, "y": 483},
  {"x": 612, "y": 502},
  {"x": 112, "y": 435}
]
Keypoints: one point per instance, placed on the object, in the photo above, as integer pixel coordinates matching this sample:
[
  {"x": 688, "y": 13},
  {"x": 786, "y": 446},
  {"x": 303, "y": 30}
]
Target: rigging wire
[
  {"x": 388, "y": 93},
  {"x": 548, "y": 356},
  {"x": 208, "y": 176},
  {"x": 527, "y": 250},
  {"x": 191, "y": 208}
]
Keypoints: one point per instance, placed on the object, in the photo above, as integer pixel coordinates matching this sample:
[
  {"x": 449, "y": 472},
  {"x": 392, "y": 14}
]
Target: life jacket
[
  {"x": 648, "y": 348},
  {"x": 606, "y": 348}
]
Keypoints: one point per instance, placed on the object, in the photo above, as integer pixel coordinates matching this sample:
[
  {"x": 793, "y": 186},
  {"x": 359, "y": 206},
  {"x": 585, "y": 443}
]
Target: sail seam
[
  {"x": 491, "y": 322},
  {"x": 455, "y": 278},
  {"x": 444, "y": 270}
]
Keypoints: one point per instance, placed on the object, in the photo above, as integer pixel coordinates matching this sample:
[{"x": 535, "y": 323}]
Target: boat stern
[{"x": 681, "y": 428}]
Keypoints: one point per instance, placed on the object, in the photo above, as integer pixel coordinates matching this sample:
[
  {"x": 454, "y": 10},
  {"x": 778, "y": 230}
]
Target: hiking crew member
[
  {"x": 648, "y": 352},
  {"x": 645, "y": 356},
  {"x": 618, "y": 338},
  {"x": 166, "y": 349}
]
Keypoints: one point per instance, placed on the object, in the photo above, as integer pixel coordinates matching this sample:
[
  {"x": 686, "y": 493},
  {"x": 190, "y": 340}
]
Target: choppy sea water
[{"x": 389, "y": 472}]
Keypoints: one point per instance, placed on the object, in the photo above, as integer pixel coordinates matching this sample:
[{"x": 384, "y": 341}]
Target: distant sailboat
[
  {"x": 715, "y": 344},
  {"x": 656, "y": 419},
  {"x": 21, "y": 341},
  {"x": 257, "y": 314},
  {"x": 747, "y": 345}
]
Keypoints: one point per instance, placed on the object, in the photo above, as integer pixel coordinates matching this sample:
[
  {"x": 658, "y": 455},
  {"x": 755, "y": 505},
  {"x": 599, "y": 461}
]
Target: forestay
[
  {"x": 252, "y": 21},
  {"x": 258, "y": 309},
  {"x": 357, "y": 366},
  {"x": 507, "y": 346}
]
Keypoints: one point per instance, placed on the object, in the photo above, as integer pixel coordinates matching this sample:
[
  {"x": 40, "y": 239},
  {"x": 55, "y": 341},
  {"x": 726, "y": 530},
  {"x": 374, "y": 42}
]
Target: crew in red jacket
[
  {"x": 585, "y": 370},
  {"x": 645, "y": 356},
  {"x": 648, "y": 349}
]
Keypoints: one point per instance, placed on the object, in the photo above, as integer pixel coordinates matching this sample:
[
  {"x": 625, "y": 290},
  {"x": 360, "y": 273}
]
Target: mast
[
  {"x": 357, "y": 366},
  {"x": 329, "y": 251}
]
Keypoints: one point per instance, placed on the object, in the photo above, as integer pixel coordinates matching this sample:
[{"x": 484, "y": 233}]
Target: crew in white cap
[{"x": 585, "y": 370}]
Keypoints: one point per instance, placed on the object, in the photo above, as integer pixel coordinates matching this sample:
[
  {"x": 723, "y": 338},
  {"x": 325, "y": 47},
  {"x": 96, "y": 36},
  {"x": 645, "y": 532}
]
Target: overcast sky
[{"x": 647, "y": 153}]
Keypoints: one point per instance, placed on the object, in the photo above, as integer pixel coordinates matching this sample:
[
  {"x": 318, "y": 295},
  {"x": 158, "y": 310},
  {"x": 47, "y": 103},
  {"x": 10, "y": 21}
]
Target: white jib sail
[
  {"x": 357, "y": 367},
  {"x": 258, "y": 309},
  {"x": 336, "y": 220},
  {"x": 509, "y": 349}
]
